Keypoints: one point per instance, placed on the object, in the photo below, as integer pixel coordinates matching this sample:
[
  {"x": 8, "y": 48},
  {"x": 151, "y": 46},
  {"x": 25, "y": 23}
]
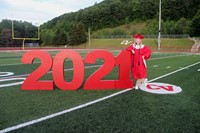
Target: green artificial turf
[{"x": 133, "y": 111}]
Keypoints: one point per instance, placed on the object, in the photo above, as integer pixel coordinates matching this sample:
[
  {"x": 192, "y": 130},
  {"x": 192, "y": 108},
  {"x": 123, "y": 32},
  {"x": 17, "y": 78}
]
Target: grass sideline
[
  {"x": 167, "y": 44},
  {"x": 107, "y": 116}
]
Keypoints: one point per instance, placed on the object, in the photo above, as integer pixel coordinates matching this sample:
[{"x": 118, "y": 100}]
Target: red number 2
[
  {"x": 32, "y": 81},
  {"x": 94, "y": 81}
]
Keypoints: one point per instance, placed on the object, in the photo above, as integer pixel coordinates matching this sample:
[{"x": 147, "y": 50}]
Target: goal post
[{"x": 24, "y": 38}]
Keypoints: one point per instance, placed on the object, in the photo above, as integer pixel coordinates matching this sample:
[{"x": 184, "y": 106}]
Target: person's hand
[
  {"x": 133, "y": 52},
  {"x": 143, "y": 57}
]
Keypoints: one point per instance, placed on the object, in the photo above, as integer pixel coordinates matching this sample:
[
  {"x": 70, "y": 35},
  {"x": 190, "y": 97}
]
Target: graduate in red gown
[{"x": 139, "y": 54}]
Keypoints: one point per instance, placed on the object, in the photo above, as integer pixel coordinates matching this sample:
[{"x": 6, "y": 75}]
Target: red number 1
[{"x": 124, "y": 63}]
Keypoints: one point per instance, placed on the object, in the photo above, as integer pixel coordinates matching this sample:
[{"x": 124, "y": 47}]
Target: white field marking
[
  {"x": 185, "y": 68},
  {"x": 51, "y": 50},
  {"x": 3, "y": 74},
  {"x": 85, "y": 67},
  {"x": 174, "y": 72},
  {"x": 155, "y": 66},
  {"x": 36, "y": 61},
  {"x": 168, "y": 67},
  {"x": 10, "y": 56},
  {"x": 167, "y": 57},
  {"x": 12, "y": 59},
  {"x": 198, "y": 70},
  {"x": 19, "y": 77},
  {"x": 71, "y": 68},
  {"x": 83, "y": 105},
  {"x": 16, "y": 76},
  {"x": 40, "y": 62},
  {"x": 24, "y": 64},
  {"x": 11, "y": 84},
  {"x": 126, "y": 42},
  {"x": 17, "y": 64}
]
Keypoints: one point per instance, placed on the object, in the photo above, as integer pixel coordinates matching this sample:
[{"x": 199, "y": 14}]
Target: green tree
[
  {"x": 47, "y": 36},
  {"x": 151, "y": 27},
  {"x": 118, "y": 31},
  {"x": 60, "y": 37},
  {"x": 182, "y": 26},
  {"x": 168, "y": 27},
  {"x": 77, "y": 34},
  {"x": 195, "y": 25},
  {"x": 6, "y": 37}
]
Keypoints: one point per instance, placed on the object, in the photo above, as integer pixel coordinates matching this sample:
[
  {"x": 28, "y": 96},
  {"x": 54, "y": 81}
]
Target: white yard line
[
  {"x": 17, "y": 76},
  {"x": 174, "y": 72},
  {"x": 85, "y": 67},
  {"x": 167, "y": 57},
  {"x": 168, "y": 67},
  {"x": 83, "y": 105},
  {"x": 149, "y": 59}
]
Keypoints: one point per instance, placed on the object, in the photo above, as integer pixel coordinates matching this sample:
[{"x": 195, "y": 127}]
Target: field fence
[
  {"x": 169, "y": 42},
  {"x": 146, "y": 36}
]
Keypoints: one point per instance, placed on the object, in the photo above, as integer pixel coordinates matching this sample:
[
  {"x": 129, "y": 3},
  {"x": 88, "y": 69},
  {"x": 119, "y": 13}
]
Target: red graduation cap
[{"x": 138, "y": 36}]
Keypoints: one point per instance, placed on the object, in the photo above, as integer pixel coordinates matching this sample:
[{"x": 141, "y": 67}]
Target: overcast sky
[{"x": 40, "y": 10}]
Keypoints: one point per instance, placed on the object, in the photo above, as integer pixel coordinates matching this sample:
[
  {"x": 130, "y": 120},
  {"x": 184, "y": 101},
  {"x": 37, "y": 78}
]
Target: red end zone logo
[{"x": 161, "y": 88}]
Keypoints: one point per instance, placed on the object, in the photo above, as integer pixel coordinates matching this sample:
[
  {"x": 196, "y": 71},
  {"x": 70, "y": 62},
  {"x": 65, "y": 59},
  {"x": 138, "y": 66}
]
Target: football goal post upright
[
  {"x": 24, "y": 38},
  {"x": 159, "y": 27}
]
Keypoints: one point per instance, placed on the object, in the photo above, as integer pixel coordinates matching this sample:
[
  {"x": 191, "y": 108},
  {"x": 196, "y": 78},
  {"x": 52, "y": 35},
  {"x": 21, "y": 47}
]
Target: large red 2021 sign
[{"x": 95, "y": 80}]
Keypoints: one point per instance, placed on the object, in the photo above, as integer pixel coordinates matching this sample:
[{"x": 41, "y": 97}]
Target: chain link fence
[{"x": 146, "y": 36}]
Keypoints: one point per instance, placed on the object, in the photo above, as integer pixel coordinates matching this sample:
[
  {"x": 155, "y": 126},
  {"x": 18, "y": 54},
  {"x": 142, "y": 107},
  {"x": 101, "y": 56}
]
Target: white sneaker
[
  {"x": 136, "y": 87},
  {"x": 145, "y": 82}
]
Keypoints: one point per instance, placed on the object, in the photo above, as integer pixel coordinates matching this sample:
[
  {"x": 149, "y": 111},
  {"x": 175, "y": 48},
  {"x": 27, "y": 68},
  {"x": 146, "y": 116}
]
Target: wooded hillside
[{"x": 178, "y": 17}]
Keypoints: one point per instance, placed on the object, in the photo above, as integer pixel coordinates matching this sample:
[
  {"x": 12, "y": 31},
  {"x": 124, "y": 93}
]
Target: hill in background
[{"x": 119, "y": 17}]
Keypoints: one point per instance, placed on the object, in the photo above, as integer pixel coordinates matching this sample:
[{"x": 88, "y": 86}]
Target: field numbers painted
[
  {"x": 95, "y": 80},
  {"x": 4, "y": 74},
  {"x": 168, "y": 67},
  {"x": 161, "y": 88},
  {"x": 126, "y": 42},
  {"x": 11, "y": 84}
]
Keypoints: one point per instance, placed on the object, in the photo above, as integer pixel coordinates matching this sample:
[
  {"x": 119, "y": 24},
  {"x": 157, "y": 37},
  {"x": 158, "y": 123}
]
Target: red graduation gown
[{"x": 138, "y": 64}]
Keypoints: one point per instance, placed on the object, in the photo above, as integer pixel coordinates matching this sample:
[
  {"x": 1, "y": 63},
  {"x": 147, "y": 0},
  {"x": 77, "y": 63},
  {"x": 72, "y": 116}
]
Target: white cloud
[{"x": 44, "y": 10}]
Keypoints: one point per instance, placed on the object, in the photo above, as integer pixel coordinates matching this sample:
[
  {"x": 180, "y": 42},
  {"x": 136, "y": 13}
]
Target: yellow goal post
[{"x": 23, "y": 39}]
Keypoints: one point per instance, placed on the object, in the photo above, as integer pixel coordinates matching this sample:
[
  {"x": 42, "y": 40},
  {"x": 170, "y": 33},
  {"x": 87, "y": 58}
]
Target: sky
[{"x": 40, "y": 11}]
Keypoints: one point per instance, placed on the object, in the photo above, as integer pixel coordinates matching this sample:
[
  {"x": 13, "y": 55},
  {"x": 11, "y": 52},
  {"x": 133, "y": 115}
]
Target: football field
[{"x": 102, "y": 111}]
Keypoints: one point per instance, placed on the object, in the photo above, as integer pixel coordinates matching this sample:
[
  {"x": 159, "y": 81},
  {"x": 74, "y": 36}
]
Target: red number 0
[{"x": 58, "y": 70}]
